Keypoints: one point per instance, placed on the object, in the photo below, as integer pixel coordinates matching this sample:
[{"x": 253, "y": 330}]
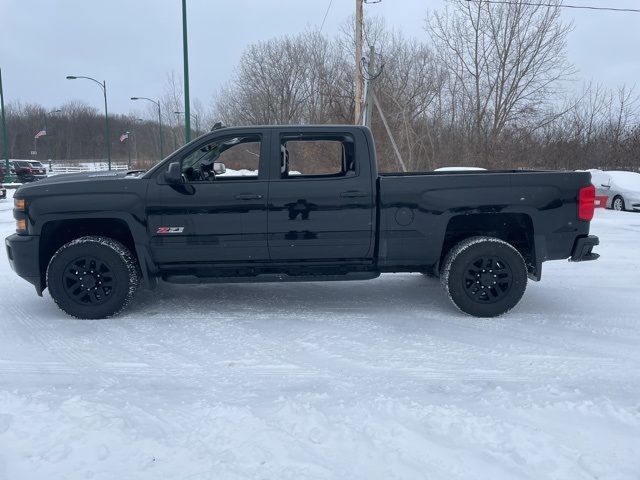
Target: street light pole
[
  {"x": 103, "y": 85},
  {"x": 5, "y": 137},
  {"x": 157, "y": 104},
  {"x": 185, "y": 47}
]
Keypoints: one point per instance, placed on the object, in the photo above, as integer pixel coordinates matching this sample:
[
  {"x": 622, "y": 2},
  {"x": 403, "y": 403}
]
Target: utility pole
[
  {"x": 359, "y": 76},
  {"x": 371, "y": 72},
  {"x": 5, "y": 137}
]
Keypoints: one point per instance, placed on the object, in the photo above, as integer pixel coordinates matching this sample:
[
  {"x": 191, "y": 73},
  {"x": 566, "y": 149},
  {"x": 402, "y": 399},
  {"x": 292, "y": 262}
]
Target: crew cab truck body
[{"x": 293, "y": 203}]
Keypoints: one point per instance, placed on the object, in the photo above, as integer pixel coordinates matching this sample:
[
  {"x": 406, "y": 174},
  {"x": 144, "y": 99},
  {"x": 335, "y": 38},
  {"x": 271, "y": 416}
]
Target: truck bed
[{"x": 418, "y": 209}]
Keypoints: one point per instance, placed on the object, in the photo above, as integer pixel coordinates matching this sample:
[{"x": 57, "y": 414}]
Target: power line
[
  {"x": 560, "y": 5},
  {"x": 325, "y": 15}
]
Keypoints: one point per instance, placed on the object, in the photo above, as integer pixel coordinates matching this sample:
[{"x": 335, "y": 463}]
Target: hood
[{"x": 78, "y": 179}]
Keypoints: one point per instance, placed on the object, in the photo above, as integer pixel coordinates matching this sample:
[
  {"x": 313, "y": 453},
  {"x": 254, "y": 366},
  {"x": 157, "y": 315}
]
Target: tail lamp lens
[
  {"x": 586, "y": 203},
  {"x": 19, "y": 204},
  {"x": 21, "y": 225}
]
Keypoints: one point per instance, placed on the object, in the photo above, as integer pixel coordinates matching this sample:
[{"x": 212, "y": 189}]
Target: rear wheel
[
  {"x": 484, "y": 276},
  {"x": 92, "y": 277},
  {"x": 618, "y": 203}
]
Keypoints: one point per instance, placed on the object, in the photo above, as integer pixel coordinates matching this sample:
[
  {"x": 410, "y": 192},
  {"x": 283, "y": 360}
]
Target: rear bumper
[
  {"x": 583, "y": 249},
  {"x": 23, "y": 254}
]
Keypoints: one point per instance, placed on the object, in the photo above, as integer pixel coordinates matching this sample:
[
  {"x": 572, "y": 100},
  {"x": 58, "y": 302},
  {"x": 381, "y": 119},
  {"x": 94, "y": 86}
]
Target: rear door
[
  {"x": 213, "y": 217},
  {"x": 321, "y": 197}
]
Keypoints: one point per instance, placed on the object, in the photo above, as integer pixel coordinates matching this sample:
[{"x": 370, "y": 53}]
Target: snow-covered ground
[{"x": 367, "y": 380}]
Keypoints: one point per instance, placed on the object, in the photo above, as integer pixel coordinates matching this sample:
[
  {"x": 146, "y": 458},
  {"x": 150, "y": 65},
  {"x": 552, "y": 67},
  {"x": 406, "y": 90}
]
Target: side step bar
[{"x": 270, "y": 278}]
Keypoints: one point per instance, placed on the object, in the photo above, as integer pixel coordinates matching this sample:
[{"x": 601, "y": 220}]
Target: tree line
[{"x": 488, "y": 85}]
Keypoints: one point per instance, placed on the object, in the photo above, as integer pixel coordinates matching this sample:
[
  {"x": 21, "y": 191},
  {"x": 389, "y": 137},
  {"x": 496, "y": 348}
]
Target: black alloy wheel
[
  {"x": 484, "y": 276},
  {"x": 93, "y": 277}
]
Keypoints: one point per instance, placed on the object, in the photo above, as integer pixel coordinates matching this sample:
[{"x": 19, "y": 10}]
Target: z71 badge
[{"x": 168, "y": 230}]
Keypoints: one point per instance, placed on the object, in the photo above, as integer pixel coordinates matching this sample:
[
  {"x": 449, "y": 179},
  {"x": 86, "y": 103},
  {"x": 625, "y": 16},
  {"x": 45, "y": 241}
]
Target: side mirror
[
  {"x": 173, "y": 175},
  {"x": 219, "y": 168}
]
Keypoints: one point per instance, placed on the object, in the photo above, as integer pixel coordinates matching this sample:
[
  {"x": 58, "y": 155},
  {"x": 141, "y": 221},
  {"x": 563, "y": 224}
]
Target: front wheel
[
  {"x": 484, "y": 276},
  {"x": 92, "y": 277}
]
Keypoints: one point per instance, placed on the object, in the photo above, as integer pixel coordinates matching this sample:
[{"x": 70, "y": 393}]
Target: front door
[{"x": 219, "y": 212}]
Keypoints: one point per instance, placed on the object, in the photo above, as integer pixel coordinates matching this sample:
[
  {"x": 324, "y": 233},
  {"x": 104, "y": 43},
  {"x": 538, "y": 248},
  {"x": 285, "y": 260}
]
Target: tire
[
  {"x": 484, "y": 276},
  {"x": 618, "y": 203},
  {"x": 111, "y": 279}
]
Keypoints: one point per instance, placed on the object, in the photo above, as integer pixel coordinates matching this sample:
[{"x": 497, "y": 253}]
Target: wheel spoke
[
  {"x": 88, "y": 280},
  {"x": 487, "y": 279}
]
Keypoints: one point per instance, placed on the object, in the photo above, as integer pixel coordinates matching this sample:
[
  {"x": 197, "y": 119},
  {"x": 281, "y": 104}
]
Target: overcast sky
[{"x": 134, "y": 44}]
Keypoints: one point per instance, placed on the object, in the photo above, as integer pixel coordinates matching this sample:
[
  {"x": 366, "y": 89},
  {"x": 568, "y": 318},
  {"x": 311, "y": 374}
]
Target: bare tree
[{"x": 508, "y": 61}]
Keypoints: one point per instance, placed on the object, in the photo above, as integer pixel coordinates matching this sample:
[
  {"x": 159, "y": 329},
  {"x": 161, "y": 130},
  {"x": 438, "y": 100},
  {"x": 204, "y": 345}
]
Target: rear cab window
[{"x": 316, "y": 156}]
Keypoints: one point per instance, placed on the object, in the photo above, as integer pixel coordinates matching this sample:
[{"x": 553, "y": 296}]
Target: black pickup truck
[{"x": 294, "y": 203}]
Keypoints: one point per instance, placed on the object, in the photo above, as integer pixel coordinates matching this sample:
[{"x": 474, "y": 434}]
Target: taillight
[{"x": 586, "y": 203}]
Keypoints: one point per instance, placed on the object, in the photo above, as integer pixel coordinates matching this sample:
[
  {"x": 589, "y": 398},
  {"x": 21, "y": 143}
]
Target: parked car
[
  {"x": 39, "y": 170},
  {"x": 191, "y": 220},
  {"x": 3, "y": 192},
  {"x": 23, "y": 171},
  {"x": 622, "y": 189}
]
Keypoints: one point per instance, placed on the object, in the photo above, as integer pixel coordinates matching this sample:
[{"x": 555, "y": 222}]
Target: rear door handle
[
  {"x": 248, "y": 196},
  {"x": 354, "y": 193}
]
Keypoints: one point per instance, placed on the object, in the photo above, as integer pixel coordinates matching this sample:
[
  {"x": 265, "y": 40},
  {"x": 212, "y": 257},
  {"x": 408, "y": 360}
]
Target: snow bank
[{"x": 348, "y": 380}]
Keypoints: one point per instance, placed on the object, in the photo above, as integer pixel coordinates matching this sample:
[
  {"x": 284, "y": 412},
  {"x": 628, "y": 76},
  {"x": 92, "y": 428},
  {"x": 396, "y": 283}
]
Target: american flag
[
  {"x": 124, "y": 136},
  {"x": 41, "y": 133}
]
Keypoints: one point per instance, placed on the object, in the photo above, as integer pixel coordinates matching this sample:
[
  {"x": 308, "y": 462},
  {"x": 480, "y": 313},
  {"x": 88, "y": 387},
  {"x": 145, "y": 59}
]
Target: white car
[{"x": 622, "y": 189}]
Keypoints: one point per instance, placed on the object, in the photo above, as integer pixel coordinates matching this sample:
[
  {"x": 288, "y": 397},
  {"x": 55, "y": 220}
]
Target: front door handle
[
  {"x": 248, "y": 196},
  {"x": 354, "y": 193}
]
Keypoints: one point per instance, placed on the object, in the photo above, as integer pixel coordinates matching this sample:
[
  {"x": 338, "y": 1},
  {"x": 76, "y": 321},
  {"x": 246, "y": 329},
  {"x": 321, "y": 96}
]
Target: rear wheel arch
[{"x": 516, "y": 229}]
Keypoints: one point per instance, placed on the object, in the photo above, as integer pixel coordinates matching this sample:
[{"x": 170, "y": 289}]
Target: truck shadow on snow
[
  {"x": 397, "y": 295},
  {"x": 407, "y": 296}
]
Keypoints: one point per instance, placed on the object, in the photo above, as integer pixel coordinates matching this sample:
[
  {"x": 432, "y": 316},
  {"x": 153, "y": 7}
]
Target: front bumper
[
  {"x": 24, "y": 258},
  {"x": 583, "y": 249}
]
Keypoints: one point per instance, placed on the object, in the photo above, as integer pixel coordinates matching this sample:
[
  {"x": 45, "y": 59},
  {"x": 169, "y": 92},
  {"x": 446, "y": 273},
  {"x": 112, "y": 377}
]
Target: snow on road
[{"x": 368, "y": 380}]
